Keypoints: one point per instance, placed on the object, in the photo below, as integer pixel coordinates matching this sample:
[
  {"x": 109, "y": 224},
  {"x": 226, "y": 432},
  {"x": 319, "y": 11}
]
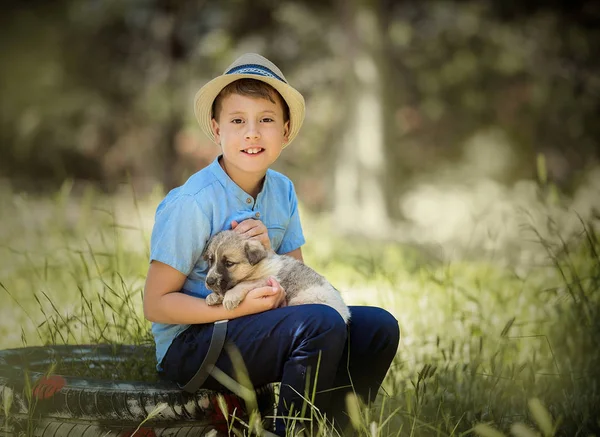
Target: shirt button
[
  {"x": 257, "y": 215},
  {"x": 248, "y": 200}
]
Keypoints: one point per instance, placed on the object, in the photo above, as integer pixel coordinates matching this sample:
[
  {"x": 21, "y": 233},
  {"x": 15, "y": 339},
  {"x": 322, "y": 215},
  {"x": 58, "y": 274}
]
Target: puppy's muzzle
[{"x": 218, "y": 285}]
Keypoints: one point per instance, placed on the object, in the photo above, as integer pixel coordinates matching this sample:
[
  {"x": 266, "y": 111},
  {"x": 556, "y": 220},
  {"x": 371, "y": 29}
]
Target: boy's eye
[
  {"x": 267, "y": 120},
  {"x": 229, "y": 264},
  {"x": 237, "y": 121}
]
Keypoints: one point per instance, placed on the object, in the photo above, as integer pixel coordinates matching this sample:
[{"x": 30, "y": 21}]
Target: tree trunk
[{"x": 360, "y": 197}]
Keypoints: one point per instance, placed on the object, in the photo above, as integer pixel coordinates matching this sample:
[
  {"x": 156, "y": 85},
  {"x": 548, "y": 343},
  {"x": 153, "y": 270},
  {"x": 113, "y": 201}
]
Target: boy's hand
[
  {"x": 253, "y": 230},
  {"x": 264, "y": 298}
]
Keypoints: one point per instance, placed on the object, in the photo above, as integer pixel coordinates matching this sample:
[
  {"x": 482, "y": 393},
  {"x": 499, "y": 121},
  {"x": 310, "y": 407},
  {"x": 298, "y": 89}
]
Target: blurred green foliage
[{"x": 102, "y": 90}]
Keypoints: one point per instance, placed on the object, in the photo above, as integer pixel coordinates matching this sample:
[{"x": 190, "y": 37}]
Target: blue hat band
[{"x": 254, "y": 69}]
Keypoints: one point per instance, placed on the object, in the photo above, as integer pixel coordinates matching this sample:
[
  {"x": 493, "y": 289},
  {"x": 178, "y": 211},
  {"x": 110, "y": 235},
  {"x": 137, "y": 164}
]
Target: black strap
[{"x": 216, "y": 346}]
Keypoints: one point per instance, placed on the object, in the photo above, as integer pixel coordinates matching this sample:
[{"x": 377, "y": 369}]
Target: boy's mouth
[{"x": 253, "y": 150}]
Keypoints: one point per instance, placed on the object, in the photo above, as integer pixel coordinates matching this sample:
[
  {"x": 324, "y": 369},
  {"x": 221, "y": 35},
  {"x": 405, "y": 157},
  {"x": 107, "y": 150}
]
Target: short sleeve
[
  {"x": 293, "y": 238},
  {"x": 180, "y": 233}
]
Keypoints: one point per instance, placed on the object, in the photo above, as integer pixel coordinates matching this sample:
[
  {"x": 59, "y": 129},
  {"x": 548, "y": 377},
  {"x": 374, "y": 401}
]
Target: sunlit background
[
  {"x": 448, "y": 170},
  {"x": 411, "y": 106}
]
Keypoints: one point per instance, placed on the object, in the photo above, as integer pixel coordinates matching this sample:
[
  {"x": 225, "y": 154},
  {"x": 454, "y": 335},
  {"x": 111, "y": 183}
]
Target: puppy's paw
[
  {"x": 214, "y": 299},
  {"x": 231, "y": 302}
]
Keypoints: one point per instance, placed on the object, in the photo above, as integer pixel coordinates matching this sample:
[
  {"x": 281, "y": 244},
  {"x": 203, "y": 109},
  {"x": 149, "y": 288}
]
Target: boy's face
[{"x": 251, "y": 132}]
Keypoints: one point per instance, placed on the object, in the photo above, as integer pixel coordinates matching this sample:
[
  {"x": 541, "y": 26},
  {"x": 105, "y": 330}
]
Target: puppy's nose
[{"x": 210, "y": 281}]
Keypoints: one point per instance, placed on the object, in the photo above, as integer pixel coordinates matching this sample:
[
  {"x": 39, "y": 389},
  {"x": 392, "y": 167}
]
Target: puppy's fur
[{"x": 238, "y": 265}]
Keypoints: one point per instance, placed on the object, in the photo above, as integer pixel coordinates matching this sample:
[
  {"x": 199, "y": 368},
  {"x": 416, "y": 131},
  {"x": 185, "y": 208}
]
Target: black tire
[
  {"x": 119, "y": 389},
  {"x": 50, "y": 427}
]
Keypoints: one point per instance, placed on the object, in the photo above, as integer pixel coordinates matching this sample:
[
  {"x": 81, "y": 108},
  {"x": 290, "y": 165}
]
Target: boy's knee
[
  {"x": 389, "y": 325},
  {"x": 384, "y": 323},
  {"x": 323, "y": 320}
]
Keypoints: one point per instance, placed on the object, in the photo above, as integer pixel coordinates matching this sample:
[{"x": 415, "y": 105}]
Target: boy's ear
[
  {"x": 286, "y": 130},
  {"x": 216, "y": 130},
  {"x": 255, "y": 251}
]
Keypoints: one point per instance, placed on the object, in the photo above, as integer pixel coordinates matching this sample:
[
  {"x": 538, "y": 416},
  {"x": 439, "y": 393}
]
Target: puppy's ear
[
  {"x": 255, "y": 251},
  {"x": 204, "y": 254}
]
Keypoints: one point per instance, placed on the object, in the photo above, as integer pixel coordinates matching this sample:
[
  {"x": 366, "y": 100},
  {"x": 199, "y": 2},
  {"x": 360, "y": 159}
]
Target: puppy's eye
[{"x": 229, "y": 264}]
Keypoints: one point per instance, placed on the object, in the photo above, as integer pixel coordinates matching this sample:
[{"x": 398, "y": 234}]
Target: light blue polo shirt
[{"x": 205, "y": 205}]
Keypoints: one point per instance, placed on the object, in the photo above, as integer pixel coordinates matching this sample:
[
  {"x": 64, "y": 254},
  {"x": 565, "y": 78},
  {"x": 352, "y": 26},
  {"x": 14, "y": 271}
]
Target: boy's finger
[
  {"x": 270, "y": 294},
  {"x": 244, "y": 227},
  {"x": 239, "y": 229},
  {"x": 263, "y": 239},
  {"x": 253, "y": 232},
  {"x": 262, "y": 292},
  {"x": 283, "y": 302},
  {"x": 249, "y": 222},
  {"x": 273, "y": 282},
  {"x": 234, "y": 224}
]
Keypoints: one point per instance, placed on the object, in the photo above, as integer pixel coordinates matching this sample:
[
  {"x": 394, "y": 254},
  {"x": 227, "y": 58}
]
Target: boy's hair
[{"x": 250, "y": 88}]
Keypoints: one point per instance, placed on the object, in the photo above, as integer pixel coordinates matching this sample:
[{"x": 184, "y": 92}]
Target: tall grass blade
[
  {"x": 542, "y": 416},
  {"x": 487, "y": 431}
]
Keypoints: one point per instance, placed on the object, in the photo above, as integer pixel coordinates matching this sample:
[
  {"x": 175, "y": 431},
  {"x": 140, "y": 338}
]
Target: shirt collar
[{"x": 233, "y": 188}]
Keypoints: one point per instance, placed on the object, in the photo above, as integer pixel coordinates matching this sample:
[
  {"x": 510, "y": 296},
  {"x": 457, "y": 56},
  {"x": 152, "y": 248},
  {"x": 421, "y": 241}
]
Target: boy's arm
[
  {"x": 164, "y": 303},
  {"x": 293, "y": 238},
  {"x": 296, "y": 253}
]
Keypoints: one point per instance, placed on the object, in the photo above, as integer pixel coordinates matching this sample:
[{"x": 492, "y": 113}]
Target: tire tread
[{"x": 91, "y": 407}]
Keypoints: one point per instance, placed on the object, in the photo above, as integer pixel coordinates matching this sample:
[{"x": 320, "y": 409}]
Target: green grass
[{"x": 502, "y": 341}]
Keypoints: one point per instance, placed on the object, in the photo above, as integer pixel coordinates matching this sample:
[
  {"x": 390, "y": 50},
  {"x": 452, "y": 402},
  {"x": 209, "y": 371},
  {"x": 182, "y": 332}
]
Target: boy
[{"x": 253, "y": 113}]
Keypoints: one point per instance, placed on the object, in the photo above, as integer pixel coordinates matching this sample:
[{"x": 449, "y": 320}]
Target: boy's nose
[{"x": 252, "y": 132}]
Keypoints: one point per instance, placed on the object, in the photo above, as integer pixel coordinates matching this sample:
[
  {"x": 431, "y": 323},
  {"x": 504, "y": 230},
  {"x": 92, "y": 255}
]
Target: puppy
[{"x": 238, "y": 265}]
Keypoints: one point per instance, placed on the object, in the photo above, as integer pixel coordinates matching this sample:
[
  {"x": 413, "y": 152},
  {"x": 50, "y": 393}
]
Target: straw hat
[{"x": 249, "y": 66}]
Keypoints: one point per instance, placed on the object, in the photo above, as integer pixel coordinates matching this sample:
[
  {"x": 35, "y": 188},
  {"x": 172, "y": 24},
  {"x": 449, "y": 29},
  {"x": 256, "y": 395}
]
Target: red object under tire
[{"x": 117, "y": 390}]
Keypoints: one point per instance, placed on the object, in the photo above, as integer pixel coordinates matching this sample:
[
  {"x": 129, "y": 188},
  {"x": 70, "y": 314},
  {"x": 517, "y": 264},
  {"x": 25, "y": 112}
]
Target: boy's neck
[{"x": 249, "y": 182}]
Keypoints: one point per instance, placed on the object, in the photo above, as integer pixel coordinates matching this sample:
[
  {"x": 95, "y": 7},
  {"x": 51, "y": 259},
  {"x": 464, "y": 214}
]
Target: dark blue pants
[{"x": 283, "y": 345}]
